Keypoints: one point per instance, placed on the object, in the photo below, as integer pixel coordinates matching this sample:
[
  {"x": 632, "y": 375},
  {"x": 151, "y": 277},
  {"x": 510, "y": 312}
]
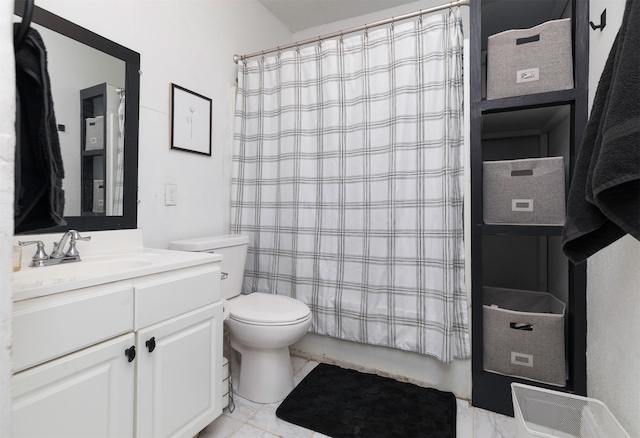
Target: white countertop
[{"x": 110, "y": 256}]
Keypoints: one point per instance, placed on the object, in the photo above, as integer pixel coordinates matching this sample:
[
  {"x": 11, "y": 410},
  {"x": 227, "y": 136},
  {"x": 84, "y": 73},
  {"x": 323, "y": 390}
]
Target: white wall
[
  {"x": 191, "y": 44},
  {"x": 7, "y": 144},
  {"x": 419, "y": 369},
  {"x": 613, "y": 281}
]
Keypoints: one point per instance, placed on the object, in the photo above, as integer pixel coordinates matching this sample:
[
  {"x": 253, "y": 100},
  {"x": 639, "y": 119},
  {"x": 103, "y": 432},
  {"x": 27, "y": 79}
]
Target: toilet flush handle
[
  {"x": 224, "y": 275},
  {"x": 225, "y": 310}
]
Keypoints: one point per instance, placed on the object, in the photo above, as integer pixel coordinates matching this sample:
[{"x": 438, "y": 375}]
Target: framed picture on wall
[{"x": 190, "y": 121}]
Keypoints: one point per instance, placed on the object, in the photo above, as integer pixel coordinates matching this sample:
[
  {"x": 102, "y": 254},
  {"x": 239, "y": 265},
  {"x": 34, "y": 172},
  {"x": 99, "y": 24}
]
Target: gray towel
[{"x": 604, "y": 197}]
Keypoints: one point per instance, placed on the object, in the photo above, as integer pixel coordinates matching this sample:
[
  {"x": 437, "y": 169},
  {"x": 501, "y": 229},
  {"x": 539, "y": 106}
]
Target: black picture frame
[{"x": 190, "y": 121}]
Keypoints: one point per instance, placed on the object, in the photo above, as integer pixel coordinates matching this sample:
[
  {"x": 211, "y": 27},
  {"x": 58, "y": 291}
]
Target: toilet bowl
[
  {"x": 261, "y": 325},
  {"x": 261, "y": 332}
]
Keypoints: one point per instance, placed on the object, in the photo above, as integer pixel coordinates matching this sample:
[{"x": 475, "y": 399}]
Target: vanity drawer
[
  {"x": 163, "y": 296},
  {"x": 52, "y": 326}
]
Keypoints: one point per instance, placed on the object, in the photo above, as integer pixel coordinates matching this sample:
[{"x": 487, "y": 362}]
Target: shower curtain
[
  {"x": 119, "y": 183},
  {"x": 348, "y": 178}
]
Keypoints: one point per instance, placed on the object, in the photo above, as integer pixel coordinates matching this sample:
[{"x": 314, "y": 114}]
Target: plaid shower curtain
[
  {"x": 348, "y": 178},
  {"x": 119, "y": 183}
]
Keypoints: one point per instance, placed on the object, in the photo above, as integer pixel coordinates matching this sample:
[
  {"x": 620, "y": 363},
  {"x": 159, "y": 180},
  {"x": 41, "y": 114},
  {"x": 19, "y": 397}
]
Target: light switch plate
[{"x": 170, "y": 194}]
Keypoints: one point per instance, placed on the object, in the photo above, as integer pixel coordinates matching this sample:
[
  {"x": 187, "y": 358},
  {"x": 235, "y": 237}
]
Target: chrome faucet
[
  {"x": 58, "y": 247},
  {"x": 59, "y": 255}
]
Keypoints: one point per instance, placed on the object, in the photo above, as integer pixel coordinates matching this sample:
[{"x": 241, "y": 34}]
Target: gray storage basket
[
  {"x": 524, "y": 334},
  {"x": 94, "y": 133},
  {"x": 527, "y": 61},
  {"x": 529, "y": 191}
]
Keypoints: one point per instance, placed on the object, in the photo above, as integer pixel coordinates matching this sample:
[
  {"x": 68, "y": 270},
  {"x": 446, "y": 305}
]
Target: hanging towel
[
  {"x": 39, "y": 198},
  {"x": 604, "y": 197}
]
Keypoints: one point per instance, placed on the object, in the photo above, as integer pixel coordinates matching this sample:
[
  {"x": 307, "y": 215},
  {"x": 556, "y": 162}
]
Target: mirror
[{"x": 95, "y": 86}]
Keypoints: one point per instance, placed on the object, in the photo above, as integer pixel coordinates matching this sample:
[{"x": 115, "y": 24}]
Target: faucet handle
[
  {"x": 40, "y": 255},
  {"x": 75, "y": 236}
]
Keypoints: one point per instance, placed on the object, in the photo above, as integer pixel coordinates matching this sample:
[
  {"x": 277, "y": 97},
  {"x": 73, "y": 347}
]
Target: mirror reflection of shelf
[{"x": 99, "y": 148}]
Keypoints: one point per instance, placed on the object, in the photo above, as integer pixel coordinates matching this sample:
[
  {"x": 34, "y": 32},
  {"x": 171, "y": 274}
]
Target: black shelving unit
[
  {"x": 490, "y": 390},
  {"x": 93, "y": 103}
]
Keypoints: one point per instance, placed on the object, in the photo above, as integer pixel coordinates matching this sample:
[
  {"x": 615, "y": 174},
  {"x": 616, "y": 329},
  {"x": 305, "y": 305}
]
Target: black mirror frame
[{"x": 129, "y": 218}]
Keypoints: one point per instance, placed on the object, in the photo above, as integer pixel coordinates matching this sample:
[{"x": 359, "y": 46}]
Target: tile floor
[{"x": 249, "y": 419}]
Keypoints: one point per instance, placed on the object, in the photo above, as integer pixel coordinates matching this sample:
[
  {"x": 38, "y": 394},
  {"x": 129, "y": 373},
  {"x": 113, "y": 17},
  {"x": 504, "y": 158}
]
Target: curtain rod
[{"x": 450, "y": 5}]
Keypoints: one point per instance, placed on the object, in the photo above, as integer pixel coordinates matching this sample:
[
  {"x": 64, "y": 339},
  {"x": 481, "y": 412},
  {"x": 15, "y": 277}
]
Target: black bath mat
[{"x": 346, "y": 403}]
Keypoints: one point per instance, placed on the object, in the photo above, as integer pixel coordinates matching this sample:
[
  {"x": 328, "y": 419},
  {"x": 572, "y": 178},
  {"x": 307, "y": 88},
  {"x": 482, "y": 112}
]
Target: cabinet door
[
  {"x": 179, "y": 373},
  {"x": 88, "y": 393}
]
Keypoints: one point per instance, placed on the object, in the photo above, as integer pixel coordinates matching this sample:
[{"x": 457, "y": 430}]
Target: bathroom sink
[
  {"x": 109, "y": 256},
  {"x": 91, "y": 266},
  {"x": 118, "y": 262}
]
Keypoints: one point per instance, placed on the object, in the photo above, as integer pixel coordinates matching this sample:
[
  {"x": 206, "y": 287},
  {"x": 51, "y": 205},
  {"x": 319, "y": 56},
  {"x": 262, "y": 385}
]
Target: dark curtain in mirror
[{"x": 39, "y": 198}]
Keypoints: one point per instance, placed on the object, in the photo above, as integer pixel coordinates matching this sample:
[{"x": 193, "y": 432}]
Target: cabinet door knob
[
  {"x": 130, "y": 353},
  {"x": 151, "y": 344}
]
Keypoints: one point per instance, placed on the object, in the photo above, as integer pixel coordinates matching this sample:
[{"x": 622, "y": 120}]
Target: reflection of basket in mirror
[
  {"x": 542, "y": 412},
  {"x": 94, "y": 137}
]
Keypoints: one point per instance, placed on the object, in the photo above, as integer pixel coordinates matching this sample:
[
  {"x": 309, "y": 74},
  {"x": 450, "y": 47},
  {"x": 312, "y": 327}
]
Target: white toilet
[{"x": 262, "y": 326}]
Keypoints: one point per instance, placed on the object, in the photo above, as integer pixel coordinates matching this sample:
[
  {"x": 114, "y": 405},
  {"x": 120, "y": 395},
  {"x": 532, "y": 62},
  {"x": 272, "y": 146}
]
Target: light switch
[{"x": 170, "y": 194}]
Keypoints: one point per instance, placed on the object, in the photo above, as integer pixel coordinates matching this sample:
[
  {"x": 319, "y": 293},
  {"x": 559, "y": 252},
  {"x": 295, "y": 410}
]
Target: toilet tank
[{"x": 233, "y": 248}]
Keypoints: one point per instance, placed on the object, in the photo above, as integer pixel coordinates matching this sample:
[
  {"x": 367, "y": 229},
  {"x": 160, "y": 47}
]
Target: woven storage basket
[
  {"x": 524, "y": 334},
  {"x": 529, "y": 191},
  {"x": 527, "y": 61}
]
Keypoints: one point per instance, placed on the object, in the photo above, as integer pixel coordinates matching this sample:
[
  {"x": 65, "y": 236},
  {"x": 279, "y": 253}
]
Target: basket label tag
[
  {"x": 522, "y": 205},
  {"x": 522, "y": 359},
  {"x": 528, "y": 75}
]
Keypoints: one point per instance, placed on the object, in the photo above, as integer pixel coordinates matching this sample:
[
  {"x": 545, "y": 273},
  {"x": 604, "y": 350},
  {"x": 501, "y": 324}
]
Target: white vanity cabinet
[
  {"x": 177, "y": 384},
  {"x": 136, "y": 357},
  {"x": 87, "y": 393},
  {"x": 178, "y": 369}
]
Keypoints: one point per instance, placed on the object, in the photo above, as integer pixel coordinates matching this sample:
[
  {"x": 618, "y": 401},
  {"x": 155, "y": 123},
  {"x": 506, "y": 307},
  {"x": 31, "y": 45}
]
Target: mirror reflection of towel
[
  {"x": 604, "y": 198},
  {"x": 39, "y": 198}
]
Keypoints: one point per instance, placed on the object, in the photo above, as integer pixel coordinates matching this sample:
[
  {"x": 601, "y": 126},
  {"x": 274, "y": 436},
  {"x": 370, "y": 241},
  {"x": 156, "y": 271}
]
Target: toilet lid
[{"x": 264, "y": 308}]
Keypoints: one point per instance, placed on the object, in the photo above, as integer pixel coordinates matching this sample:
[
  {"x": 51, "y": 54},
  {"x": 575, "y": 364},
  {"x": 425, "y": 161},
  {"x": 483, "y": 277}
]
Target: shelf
[
  {"x": 528, "y": 101},
  {"x": 93, "y": 153},
  {"x": 527, "y": 257},
  {"x": 535, "y": 230},
  {"x": 98, "y": 101}
]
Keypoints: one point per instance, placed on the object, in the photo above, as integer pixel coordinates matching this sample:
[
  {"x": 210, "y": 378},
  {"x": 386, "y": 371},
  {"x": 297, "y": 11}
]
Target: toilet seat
[{"x": 267, "y": 309}]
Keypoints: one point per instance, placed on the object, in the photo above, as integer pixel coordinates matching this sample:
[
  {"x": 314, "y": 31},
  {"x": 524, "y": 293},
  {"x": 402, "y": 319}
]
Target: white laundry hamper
[{"x": 541, "y": 412}]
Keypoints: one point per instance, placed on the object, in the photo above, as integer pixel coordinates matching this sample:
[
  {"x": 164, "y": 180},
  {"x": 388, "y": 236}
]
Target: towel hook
[
  {"x": 603, "y": 21},
  {"x": 21, "y": 33}
]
